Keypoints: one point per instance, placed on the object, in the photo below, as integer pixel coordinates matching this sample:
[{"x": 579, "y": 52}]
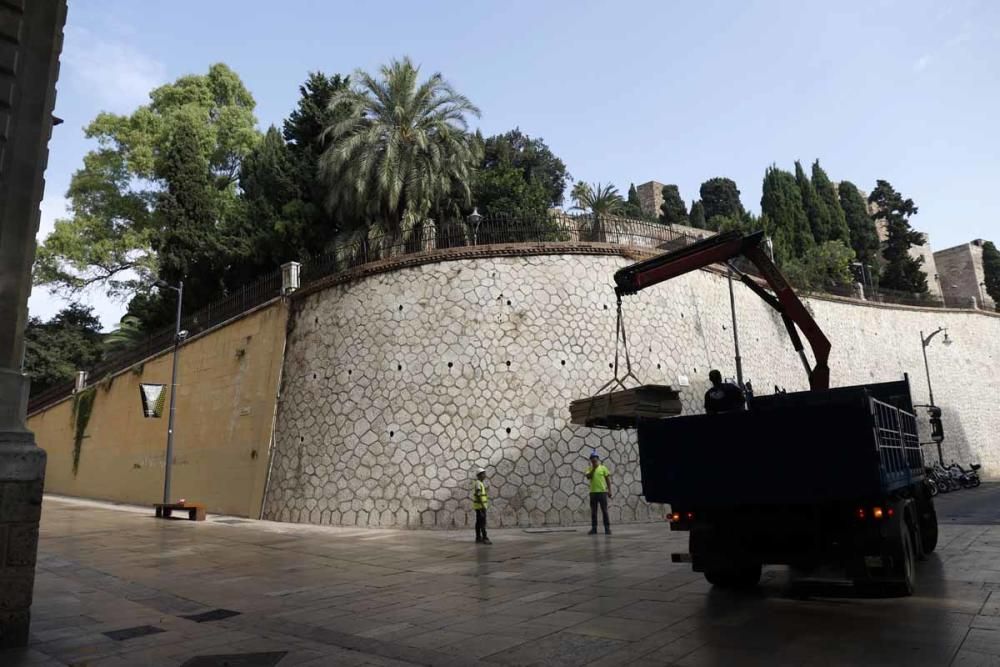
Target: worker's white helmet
[{"x": 480, "y": 470}]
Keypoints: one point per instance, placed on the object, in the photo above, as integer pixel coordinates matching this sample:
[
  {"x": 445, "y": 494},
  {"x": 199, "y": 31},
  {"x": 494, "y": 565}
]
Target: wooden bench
[{"x": 195, "y": 511}]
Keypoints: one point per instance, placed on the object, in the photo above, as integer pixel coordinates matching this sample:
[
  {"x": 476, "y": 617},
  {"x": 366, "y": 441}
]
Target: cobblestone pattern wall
[{"x": 397, "y": 386}]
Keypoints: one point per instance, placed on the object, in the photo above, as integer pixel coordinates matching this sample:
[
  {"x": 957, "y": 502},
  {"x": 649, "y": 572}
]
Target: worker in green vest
[
  {"x": 600, "y": 491},
  {"x": 480, "y": 501}
]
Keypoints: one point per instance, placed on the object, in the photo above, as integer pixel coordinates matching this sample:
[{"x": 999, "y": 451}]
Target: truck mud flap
[{"x": 680, "y": 558}]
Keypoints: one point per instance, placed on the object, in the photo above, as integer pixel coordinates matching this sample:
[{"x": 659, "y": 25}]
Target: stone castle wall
[
  {"x": 398, "y": 385},
  {"x": 962, "y": 274}
]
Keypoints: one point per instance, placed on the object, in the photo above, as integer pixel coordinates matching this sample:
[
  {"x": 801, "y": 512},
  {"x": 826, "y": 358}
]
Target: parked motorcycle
[{"x": 968, "y": 479}]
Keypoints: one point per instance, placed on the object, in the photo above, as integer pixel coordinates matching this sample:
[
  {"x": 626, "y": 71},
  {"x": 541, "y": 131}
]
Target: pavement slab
[{"x": 116, "y": 587}]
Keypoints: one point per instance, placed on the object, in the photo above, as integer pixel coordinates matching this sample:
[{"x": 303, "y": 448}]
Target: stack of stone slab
[{"x": 622, "y": 409}]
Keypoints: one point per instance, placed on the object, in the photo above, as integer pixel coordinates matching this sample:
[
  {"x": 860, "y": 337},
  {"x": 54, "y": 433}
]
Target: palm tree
[
  {"x": 128, "y": 334},
  {"x": 602, "y": 200},
  {"x": 401, "y": 150}
]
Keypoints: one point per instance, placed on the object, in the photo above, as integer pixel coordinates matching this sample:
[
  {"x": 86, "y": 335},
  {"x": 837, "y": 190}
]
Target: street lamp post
[
  {"x": 178, "y": 337},
  {"x": 924, "y": 342},
  {"x": 474, "y": 219}
]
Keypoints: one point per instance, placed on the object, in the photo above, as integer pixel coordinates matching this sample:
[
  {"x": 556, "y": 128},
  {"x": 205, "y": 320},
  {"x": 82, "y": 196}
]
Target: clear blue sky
[{"x": 624, "y": 92}]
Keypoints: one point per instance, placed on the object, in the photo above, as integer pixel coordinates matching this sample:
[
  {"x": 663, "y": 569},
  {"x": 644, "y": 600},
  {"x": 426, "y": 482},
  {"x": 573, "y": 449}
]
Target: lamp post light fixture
[
  {"x": 924, "y": 342},
  {"x": 475, "y": 218},
  {"x": 179, "y": 336}
]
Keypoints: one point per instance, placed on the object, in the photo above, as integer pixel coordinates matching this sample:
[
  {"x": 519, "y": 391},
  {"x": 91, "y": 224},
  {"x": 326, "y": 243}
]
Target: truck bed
[{"x": 797, "y": 448}]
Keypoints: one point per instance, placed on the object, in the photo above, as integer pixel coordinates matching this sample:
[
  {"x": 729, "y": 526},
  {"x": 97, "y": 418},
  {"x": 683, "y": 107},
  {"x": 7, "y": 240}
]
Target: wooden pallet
[{"x": 621, "y": 409}]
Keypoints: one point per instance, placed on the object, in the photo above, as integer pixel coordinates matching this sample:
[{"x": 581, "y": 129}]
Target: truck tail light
[
  {"x": 890, "y": 512},
  {"x": 877, "y": 512},
  {"x": 675, "y": 517},
  {"x": 690, "y": 516},
  {"x": 861, "y": 513}
]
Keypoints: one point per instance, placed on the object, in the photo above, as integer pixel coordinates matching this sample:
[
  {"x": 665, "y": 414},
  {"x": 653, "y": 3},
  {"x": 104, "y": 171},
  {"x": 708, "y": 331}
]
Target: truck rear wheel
[
  {"x": 904, "y": 567},
  {"x": 736, "y": 577}
]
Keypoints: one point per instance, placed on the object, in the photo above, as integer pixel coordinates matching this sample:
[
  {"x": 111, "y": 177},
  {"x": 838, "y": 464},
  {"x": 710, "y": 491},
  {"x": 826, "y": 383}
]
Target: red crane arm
[{"x": 720, "y": 249}]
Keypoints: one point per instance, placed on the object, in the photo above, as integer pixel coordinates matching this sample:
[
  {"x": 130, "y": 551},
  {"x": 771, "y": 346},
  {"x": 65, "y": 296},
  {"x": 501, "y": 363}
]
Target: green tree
[
  {"x": 672, "y": 210},
  {"x": 401, "y": 151},
  {"x": 863, "y": 235},
  {"x": 824, "y": 265},
  {"x": 901, "y": 271},
  {"x": 518, "y": 175},
  {"x": 781, "y": 203},
  {"x": 190, "y": 244},
  {"x": 108, "y": 239},
  {"x": 55, "y": 350},
  {"x": 720, "y": 196},
  {"x": 697, "y": 217},
  {"x": 283, "y": 217},
  {"x": 633, "y": 205},
  {"x": 129, "y": 333},
  {"x": 838, "y": 229},
  {"x": 602, "y": 200},
  {"x": 532, "y": 157},
  {"x": 815, "y": 208},
  {"x": 991, "y": 271}
]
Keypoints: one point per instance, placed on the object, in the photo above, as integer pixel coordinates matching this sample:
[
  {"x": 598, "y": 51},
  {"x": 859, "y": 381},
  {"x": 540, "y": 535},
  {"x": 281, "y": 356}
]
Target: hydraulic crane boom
[{"x": 721, "y": 249}]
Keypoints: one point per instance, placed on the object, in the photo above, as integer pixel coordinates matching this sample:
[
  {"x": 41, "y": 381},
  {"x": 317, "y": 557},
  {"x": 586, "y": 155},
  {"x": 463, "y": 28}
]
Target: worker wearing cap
[
  {"x": 480, "y": 501},
  {"x": 600, "y": 491},
  {"x": 723, "y": 396}
]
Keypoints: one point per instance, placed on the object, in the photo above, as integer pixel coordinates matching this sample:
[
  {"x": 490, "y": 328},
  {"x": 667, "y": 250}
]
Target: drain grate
[
  {"x": 214, "y": 615},
  {"x": 269, "y": 659},
  {"x": 132, "y": 633}
]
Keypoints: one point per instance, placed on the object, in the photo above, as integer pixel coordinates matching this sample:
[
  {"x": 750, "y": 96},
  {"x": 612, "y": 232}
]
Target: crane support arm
[{"x": 720, "y": 249}]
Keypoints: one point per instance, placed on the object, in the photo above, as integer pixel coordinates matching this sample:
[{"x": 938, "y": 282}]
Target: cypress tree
[
  {"x": 697, "y": 217},
  {"x": 672, "y": 210},
  {"x": 781, "y": 202},
  {"x": 720, "y": 196},
  {"x": 828, "y": 195},
  {"x": 863, "y": 235},
  {"x": 818, "y": 216}
]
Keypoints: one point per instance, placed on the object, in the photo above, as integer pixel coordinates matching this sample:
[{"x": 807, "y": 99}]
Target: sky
[{"x": 624, "y": 92}]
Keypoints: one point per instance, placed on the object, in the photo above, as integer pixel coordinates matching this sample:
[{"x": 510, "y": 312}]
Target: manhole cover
[
  {"x": 237, "y": 660},
  {"x": 131, "y": 633},
  {"x": 214, "y": 615}
]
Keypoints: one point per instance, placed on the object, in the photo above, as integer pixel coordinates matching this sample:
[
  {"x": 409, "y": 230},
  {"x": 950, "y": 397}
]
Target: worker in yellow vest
[
  {"x": 480, "y": 501},
  {"x": 600, "y": 490}
]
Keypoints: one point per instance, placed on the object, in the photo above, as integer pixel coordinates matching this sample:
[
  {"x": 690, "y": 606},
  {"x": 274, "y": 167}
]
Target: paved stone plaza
[{"x": 116, "y": 587}]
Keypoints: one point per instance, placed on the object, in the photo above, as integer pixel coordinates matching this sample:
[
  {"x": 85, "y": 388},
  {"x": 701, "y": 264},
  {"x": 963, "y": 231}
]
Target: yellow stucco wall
[{"x": 228, "y": 381}]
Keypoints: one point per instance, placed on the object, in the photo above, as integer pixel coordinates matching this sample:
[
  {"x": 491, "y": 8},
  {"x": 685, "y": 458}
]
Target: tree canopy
[
  {"x": 863, "y": 235},
  {"x": 672, "y": 210},
  {"x": 837, "y": 229},
  {"x": 901, "y": 271},
  {"x": 697, "y": 217},
  {"x": 55, "y": 350},
  {"x": 781, "y": 202},
  {"x": 815, "y": 208},
  {"x": 518, "y": 175},
  {"x": 108, "y": 239},
  {"x": 401, "y": 151},
  {"x": 720, "y": 196},
  {"x": 532, "y": 158}
]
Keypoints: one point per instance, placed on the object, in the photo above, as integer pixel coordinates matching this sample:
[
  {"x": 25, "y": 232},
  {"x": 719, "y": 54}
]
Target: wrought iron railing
[{"x": 426, "y": 238}]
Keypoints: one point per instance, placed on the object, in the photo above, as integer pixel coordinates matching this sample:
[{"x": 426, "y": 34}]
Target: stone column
[{"x": 30, "y": 43}]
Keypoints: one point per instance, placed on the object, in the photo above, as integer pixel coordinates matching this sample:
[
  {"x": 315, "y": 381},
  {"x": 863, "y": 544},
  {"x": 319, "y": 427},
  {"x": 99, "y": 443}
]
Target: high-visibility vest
[{"x": 480, "y": 499}]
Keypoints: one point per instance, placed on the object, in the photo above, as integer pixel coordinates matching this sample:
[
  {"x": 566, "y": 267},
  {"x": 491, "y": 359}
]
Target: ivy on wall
[{"x": 83, "y": 406}]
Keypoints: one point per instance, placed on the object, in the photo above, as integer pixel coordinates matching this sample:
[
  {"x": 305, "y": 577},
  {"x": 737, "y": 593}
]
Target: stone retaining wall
[{"x": 398, "y": 385}]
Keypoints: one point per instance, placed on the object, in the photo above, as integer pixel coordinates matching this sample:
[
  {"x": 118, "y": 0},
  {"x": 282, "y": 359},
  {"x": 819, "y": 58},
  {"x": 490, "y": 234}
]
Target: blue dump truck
[{"x": 812, "y": 479}]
